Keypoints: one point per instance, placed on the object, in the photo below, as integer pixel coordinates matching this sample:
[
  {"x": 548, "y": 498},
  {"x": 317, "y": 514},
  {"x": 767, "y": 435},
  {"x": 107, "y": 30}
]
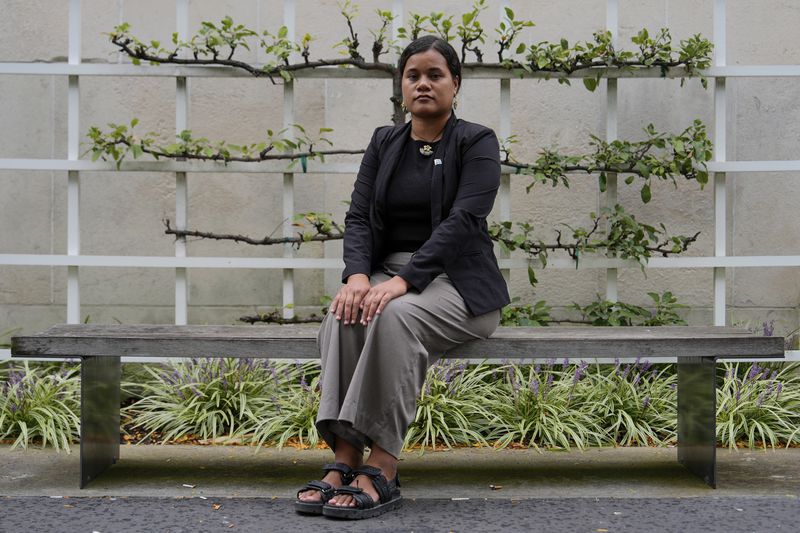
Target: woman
[{"x": 420, "y": 278}]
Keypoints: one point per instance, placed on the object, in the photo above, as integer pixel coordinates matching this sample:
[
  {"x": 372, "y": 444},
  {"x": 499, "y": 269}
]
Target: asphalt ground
[{"x": 206, "y": 488}]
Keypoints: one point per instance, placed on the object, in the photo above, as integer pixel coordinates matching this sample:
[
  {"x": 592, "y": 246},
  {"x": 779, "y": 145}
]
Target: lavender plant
[
  {"x": 543, "y": 405},
  {"x": 40, "y": 403},
  {"x": 454, "y": 407},
  {"x": 206, "y": 398},
  {"x": 636, "y": 403},
  {"x": 292, "y": 411},
  {"x": 759, "y": 404}
]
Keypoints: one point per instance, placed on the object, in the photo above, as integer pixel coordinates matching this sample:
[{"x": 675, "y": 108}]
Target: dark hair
[{"x": 432, "y": 42}]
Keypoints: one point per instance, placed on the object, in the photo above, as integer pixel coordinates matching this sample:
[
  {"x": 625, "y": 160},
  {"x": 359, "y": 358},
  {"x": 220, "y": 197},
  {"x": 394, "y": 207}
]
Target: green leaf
[
  {"x": 603, "y": 182},
  {"x": 590, "y": 83},
  {"x": 509, "y": 13},
  {"x": 521, "y": 48},
  {"x": 645, "y": 192},
  {"x": 532, "y": 276}
]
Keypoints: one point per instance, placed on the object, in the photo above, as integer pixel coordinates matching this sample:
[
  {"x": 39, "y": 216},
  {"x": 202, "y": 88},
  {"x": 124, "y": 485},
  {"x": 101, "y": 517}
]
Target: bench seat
[{"x": 101, "y": 346}]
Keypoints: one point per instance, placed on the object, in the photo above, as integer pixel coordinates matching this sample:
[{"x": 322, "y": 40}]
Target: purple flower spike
[
  {"x": 565, "y": 363},
  {"x": 773, "y": 375},
  {"x": 535, "y": 387},
  {"x": 769, "y": 329},
  {"x": 754, "y": 371},
  {"x": 645, "y": 402}
]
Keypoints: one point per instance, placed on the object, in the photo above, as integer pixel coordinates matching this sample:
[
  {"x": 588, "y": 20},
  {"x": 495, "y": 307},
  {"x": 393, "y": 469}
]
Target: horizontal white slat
[
  {"x": 790, "y": 356},
  {"x": 314, "y": 167},
  {"x": 168, "y": 261},
  {"x": 128, "y": 69},
  {"x": 336, "y": 263},
  {"x": 265, "y": 167},
  {"x": 754, "y": 166},
  {"x": 662, "y": 262}
]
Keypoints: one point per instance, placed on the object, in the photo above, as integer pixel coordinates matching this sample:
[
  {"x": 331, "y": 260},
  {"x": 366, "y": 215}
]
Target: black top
[
  {"x": 463, "y": 189},
  {"x": 408, "y": 199}
]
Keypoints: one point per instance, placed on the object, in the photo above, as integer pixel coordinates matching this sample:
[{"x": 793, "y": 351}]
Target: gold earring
[
  {"x": 403, "y": 107},
  {"x": 455, "y": 101}
]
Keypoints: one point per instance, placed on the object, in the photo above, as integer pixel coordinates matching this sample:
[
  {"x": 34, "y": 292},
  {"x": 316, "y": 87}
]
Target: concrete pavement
[{"x": 176, "y": 488}]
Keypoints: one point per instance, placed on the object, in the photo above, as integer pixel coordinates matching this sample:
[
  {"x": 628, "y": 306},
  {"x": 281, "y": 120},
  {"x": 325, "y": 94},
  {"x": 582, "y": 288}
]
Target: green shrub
[
  {"x": 454, "y": 406},
  {"x": 292, "y": 412},
  {"x": 40, "y": 402},
  {"x": 759, "y": 404},
  {"x": 541, "y": 405},
  {"x": 636, "y": 403},
  {"x": 206, "y": 398}
]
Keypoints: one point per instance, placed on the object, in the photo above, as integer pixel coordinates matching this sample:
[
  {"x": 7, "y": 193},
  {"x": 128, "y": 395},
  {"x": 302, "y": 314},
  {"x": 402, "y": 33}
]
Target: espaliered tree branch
[
  {"x": 216, "y": 44},
  {"x": 624, "y": 237},
  {"x": 660, "y": 156},
  {"x": 120, "y": 140},
  {"x": 312, "y": 227}
]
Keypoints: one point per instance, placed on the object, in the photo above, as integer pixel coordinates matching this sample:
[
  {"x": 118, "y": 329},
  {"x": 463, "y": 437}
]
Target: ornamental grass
[
  {"x": 542, "y": 405},
  {"x": 40, "y": 403}
]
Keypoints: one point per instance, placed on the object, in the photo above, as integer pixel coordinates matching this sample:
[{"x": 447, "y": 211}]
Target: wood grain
[{"x": 299, "y": 341}]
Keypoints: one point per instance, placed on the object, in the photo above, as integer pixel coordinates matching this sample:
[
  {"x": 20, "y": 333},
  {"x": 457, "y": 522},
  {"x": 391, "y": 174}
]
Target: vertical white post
[
  {"x": 720, "y": 186},
  {"x": 288, "y": 177},
  {"x": 612, "y": 23},
  {"x": 181, "y": 186},
  {"x": 504, "y": 194},
  {"x": 73, "y": 177},
  {"x": 505, "y": 179}
]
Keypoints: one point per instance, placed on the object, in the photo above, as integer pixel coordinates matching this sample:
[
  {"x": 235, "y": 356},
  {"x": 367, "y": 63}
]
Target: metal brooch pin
[{"x": 426, "y": 150}]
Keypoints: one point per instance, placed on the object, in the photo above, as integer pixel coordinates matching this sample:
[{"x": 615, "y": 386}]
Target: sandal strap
[
  {"x": 363, "y": 500},
  {"x": 379, "y": 481},
  {"x": 342, "y": 468},
  {"x": 326, "y": 489}
]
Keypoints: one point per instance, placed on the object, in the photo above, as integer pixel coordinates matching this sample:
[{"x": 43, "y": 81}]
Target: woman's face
[{"x": 428, "y": 86}]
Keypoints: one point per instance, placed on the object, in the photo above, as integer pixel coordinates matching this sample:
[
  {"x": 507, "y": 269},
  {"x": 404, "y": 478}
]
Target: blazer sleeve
[
  {"x": 477, "y": 189},
  {"x": 357, "y": 248}
]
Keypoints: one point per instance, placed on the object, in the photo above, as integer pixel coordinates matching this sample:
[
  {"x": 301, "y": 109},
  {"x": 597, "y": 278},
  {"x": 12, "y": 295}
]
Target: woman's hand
[
  {"x": 380, "y": 295},
  {"x": 349, "y": 299}
]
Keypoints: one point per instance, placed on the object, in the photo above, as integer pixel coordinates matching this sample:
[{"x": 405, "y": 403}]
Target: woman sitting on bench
[{"x": 420, "y": 278}]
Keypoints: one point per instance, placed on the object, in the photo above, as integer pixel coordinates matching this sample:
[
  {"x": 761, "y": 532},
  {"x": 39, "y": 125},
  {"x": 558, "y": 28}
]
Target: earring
[
  {"x": 403, "y": 107},
  {"x": 455, "y": 101}
]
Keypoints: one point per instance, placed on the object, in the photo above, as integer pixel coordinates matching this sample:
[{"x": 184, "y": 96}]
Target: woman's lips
[{"x": 423, "y": 98}]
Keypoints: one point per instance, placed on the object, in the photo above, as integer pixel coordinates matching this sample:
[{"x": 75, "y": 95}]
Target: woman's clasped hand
[{"x": 357, "y": 296}]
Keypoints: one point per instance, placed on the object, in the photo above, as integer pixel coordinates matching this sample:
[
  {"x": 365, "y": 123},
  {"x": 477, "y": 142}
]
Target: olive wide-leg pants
[{"x": 371, "y": 375}]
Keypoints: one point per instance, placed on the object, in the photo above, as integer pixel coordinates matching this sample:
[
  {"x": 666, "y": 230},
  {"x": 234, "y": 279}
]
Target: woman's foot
[
  {"x": 378, "y": 458},
  {"x": 364, "y": 483},
  {"x": 334, "y": 478}
]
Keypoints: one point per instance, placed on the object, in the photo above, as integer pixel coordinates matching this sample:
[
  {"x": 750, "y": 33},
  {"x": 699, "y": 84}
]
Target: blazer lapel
[
  {"x": 389, "y": 156},
  {"x": 437, "y": 178}
]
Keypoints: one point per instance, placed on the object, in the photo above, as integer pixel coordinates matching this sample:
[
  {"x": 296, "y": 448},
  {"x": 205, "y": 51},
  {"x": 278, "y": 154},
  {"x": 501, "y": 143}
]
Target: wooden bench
[{"x": 101, "y": 346}]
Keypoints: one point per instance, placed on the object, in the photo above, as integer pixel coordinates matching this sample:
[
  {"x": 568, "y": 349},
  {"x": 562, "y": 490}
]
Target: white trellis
[{"x": 74, "y": 70}]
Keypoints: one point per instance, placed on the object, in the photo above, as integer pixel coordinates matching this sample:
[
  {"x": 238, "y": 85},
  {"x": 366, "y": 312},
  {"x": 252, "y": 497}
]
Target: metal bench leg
[
  {"x": 697, "y": 417},
  {"x": 100, "y": 397}
]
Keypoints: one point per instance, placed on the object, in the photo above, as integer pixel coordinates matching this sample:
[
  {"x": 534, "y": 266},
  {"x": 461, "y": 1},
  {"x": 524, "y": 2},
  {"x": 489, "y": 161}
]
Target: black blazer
[{"x": 466, "y": 175}]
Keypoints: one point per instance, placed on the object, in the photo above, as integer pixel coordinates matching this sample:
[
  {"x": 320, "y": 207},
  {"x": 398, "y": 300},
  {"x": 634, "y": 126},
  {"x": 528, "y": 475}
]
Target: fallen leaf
[
  {"x": 495, "y": 487},
  {"x": 601, "y": 530},
  {"x": 216, "y": 506},
  {"x": 68, "y": 505}
]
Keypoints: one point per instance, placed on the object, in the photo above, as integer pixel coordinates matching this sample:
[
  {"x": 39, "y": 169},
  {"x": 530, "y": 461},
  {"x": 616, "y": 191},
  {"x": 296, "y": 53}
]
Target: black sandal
[
  {"x": 325, "y": 489},
  {"x": 366, "y": 507}
]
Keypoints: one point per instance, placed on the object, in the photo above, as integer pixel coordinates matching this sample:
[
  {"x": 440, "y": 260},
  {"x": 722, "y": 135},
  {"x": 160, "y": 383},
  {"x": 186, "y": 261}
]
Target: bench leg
[
  {"x": 100, "y": 397},
  {"x": 697, "y": 417}
]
